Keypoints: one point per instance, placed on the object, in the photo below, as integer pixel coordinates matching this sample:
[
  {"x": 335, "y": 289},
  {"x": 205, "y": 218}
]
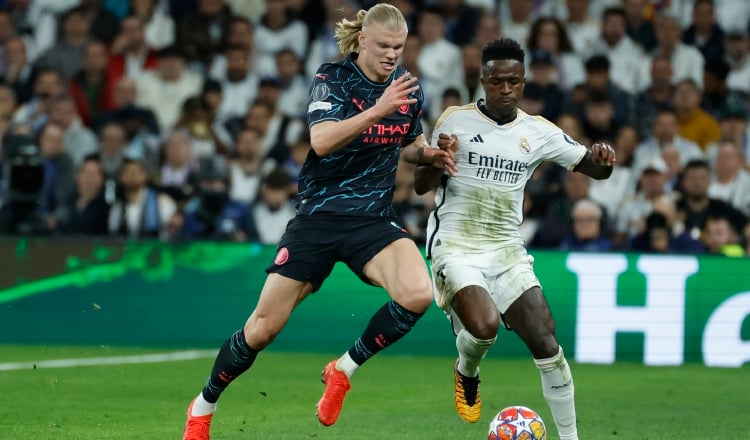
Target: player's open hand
[
  {"x": 397, "y": 94},
  {"x": 603, "y": 154}
]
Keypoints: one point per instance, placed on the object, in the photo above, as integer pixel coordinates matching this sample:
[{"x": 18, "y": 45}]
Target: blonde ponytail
[{"x": 347, "y": 31}]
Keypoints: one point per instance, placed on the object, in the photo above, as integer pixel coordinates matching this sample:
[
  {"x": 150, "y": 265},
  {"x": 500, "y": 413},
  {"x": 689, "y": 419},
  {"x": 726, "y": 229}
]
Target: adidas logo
[{"x": 477, "y": 138}]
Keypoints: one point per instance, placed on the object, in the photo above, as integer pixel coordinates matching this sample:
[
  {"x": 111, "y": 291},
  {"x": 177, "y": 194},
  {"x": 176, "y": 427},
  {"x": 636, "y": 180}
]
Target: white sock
[
  {"x": 471, "y": 351},
  {"x": 347, "y": 364},
  {"x": 557, "y": 387},
  {"x": 201, "y": 407}
]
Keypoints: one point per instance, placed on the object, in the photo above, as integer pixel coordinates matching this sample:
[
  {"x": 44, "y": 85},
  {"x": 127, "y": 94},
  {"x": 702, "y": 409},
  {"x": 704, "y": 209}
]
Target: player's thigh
[
  {"x": 474, "y": 306},
  {"x": 530, "y": 317},
  {"x": 400, "y": 269},
  {"x": 278, "y": 298}
]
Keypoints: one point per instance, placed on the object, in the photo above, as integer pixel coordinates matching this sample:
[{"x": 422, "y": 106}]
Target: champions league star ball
[{"x": 517, "y": 423}]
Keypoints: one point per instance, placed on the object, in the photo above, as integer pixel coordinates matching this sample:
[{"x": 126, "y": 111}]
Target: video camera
[{"x": 23, "y": 184}]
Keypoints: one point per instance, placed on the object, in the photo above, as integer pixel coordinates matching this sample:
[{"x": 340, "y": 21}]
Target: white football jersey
[{"x": 481, "y": 206}]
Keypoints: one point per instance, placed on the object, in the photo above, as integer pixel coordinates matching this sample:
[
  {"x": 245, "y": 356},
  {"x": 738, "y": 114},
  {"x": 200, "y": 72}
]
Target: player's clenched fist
[{"x": 603, "y": 154}]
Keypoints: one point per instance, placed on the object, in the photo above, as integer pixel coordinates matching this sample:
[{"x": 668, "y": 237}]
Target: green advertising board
[{"x": 655, "y": 309}]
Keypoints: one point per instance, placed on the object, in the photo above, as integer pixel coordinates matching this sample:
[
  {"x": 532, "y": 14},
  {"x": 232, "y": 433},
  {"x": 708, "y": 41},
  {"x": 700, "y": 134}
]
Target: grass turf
[{"x": 392, "y": 397}]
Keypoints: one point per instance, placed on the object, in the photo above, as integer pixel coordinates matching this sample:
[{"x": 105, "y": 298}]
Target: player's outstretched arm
[
  {"x": 427, "y": 177},
  {"x": 328, "y": 136},
  {"x": 597, "y": 162}
]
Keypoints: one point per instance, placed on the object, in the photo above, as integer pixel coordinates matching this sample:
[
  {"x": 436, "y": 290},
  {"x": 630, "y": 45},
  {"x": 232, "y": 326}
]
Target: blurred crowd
[{"x": 185, "y": 119}]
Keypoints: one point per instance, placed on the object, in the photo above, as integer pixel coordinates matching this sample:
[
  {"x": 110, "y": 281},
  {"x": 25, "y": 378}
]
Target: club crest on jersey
[
  {"x": 403, "y": 108},
  {"x": 281, "y": 257},
  {"x": 524, "y": 145},
  {"x": 321, "y": 92}
]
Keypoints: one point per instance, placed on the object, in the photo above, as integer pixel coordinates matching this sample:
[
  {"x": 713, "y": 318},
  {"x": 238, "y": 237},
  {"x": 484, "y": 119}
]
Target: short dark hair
[
  {"x": 597, "y": 64},
  {"x": 696, "y": 164},
  {"x": 502, "y": 49}
]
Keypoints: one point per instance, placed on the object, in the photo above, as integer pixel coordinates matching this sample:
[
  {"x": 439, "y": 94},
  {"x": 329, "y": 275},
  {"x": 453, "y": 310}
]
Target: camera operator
[
  {"x": 22, "y": 187},
  {"x": 210, "y": 214}
]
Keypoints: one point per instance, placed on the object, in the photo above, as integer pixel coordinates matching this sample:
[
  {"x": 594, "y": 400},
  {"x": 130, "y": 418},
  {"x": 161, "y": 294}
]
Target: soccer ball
[{"x": 517, "y": 423}]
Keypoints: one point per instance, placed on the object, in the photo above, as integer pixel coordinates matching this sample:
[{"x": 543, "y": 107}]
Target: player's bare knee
[
  {"x": 484, "y": 328},
  {"x": 416, "y": 298},
  {"x": 260, "y": 333}
]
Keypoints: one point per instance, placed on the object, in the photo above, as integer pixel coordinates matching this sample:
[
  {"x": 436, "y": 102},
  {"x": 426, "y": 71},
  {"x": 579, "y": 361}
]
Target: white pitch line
[{"x": 112, "y": 360}]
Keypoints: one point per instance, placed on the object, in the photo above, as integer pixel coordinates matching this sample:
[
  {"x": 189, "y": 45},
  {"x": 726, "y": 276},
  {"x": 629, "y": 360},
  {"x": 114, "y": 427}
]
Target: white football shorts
[{"x": 505, "y": 273}]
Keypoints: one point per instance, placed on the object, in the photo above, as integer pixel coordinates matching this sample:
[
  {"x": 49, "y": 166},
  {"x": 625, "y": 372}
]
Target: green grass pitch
[{"x": 392, "y": 398}]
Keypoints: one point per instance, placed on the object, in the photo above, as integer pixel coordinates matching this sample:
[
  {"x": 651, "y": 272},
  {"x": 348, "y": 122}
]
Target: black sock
[
  {"x": 386, "y": 326},
  {"x": 234, "y": 358}
]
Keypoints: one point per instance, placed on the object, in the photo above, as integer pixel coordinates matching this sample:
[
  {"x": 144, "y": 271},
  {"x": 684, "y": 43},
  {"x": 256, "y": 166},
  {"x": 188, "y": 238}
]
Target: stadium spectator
[
  {"x": 87, "y": 87},
  {"x": 58, "y": 172},
  {"x": 323, "y": 47},
  {"x": 472, "y": 65},
  {"x": 587, "y": 232},
  {"x": 136, "y": 119},
  {"x": 112, "y": 144},
  {"x": 294, "y": 85},
  {"x": 665, "y": 232},
  {"x": 630, "y": 218},
  {"x": 277, "y": 30},
  {"x": 687, "y": 61},
  {"x": 439, "y": 60},
  {"x": 582, "y": 21},
  {"x": 211, "y": 214},
  {"x": 239, "y": 32},
  {"x": 625, "y": 57},
  {"x": 694, "y": 123},
  {"x": 640, "y": 29},
  {"x": 7, "y": 33},
  {"x": 704, "y": 33},
  {"x": 541, "y": 85},
  {"x": 18, "y": 71},
  {"x": 159, "y": 26},
  {"x": 140, "y": 210},
  {"x": 130, "y": 56},
  {"x": 734, "y": 129},
  {"x": 664, "y": 134},
  {"x": 716, "y": 95},
  {"x": 297, "y": 156},
  {"x": 239, "y": 84},
  {"x": 178, "y": 175},
  {"x": 516, "y": 17},
  {"x": 103, "y": 23},
  {"x": 8, "y": 105},
  {"x": 721, "y": 237},
  {"x": 277, "y": 131},
  {"x": 730, "y": 182},
  {"x": 556, "y": 221},
  {"x": 488, "y": 29},
  {"x": 598, "y": 80},
  {"x": 611, "y": 193},
  {"x": 165, "y": 89},
  {"x": 696, "y": 206},
  {"x": 47, "y": 85},
  {"x": 78, "y": 140},
  {"x": 599, "y": 118},
  {"x": 549, "y": 34},
  {"x": 737, "y": 49},
  {"x": 247, "y": 168},
  {"x": 195, "y": 121},
  {"x": 462, "y": 21},
  {"x": 199, "y": 31},
  {"x": 66, "y": 55},
  {"x": 656, "y": 97},
  {"x": 273, "y": 208},
  {"x": 86, "y": 212}
]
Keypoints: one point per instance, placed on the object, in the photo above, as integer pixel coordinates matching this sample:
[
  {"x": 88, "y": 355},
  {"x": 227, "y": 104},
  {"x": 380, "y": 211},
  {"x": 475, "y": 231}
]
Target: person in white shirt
[
  {"x": 737, "y": 53},
  {"x": 663, "y": 135},
  {"x": 439, "y": 60},
  {"x": 687, "y": 61},
  {"x": 159, "y": 26},
  {"x": 481, "y": 271},
  {"x": 626, "y": 58},
  {"x": 239, "y": 84},
  {"x": 516, "y": 17},
  {"x": 165, "y": 89},
  {"x": 275, "y": 31},
  {"x": 730, "y": 182}
]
